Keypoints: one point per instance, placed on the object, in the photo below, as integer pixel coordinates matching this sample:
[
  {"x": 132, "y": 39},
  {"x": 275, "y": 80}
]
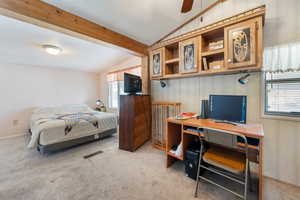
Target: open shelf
[
  {"x": 172, "y": 51},
  {"x": 174, "y": 156},
  {"x": 213, "y": 52},
  {"x": 171, "y": 61},
  {"x": 171, "y": 68},
  {"x": 210, "y": 38},
  {"x": 174, "y": 60},
  {"x": 214, "y": 62}
]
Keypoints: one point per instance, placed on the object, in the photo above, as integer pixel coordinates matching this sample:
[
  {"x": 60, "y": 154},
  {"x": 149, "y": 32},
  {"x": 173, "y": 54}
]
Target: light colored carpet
[{"x": 112, "y": 175}]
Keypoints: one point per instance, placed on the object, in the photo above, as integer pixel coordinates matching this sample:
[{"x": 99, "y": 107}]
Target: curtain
[
  {"x": 119, "y": 75},
  {"x": 282, "y": 58}
]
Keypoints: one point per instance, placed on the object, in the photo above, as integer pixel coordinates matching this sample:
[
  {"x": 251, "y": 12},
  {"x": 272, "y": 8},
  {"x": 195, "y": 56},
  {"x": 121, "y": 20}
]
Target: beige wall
[
  {"x": 23, "y": 88},
  {"x": 282, "y": 138}
]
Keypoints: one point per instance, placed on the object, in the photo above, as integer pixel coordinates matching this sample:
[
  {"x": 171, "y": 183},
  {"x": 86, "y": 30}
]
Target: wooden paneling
[
  {"x": 279, "y": 134},
  {"x": 45, "y": 15},
  {"x": 145, "y": 75},
  {"x": 281, "y": 142}
]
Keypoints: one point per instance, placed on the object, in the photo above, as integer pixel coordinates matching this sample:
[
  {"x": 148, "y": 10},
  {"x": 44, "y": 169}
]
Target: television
[
  {"x": 228, "y": 108},
  {"x": 132, "y": 83}
]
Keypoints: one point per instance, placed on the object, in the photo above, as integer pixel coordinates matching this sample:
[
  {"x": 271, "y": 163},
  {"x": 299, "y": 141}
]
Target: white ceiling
[
  {"x": 143, "y": 20},
  {"x": 20, "y": 43}
]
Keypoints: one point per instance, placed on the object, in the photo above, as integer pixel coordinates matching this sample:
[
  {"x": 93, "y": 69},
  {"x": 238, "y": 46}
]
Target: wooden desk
[{"x": 176, "y": 133}]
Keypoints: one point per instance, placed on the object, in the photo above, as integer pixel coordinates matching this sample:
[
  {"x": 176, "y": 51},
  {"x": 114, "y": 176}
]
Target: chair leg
[
  {"x": 246, "y": 179},
  {"x": 250, "y": 178},
  {"x": 198, "y": 171}
]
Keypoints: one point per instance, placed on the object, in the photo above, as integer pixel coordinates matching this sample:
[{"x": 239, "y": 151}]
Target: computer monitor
[{"x": 228, "y": 108}]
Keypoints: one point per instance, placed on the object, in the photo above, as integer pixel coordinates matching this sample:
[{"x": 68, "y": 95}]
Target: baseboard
[
  {"x": 282, "y": 182},
  {"x": 13, "y": 136}
]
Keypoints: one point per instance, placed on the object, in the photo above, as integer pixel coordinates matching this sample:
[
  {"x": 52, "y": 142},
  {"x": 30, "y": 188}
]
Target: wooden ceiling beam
[{"x": 42, "y": 14}]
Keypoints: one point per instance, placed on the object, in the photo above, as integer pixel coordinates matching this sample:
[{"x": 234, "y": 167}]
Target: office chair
[{"x": 225, "y": 158}]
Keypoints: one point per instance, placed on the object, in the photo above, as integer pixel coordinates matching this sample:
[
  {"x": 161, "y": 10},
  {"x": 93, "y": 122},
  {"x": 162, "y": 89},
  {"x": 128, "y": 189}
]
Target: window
[
  {"x": 116, "y": 84},
  {"x": 115, "y": 89},
  {"x": 282, "y": 92}
]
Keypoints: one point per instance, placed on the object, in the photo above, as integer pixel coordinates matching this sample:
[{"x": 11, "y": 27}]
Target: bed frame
[{"x": 45, "y": 149}]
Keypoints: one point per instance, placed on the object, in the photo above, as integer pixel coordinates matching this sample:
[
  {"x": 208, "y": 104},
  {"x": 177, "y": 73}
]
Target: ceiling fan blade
[{"x": 187, "y": 6}]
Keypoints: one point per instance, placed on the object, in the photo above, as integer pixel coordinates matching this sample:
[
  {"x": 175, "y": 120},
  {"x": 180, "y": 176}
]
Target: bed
[{"x": 56, "y": 128}]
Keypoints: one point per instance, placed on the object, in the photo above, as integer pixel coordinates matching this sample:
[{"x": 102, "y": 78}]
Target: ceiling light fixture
[{"x": 51, "y": 49}]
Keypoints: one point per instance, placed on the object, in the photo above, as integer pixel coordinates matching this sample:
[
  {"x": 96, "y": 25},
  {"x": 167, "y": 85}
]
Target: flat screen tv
[
  {"x": 228, "y": 108},
  {"x": 132, "y": 83}
]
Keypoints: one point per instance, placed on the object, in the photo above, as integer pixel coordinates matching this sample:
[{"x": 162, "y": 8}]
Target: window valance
[
  {"x": 119, "y": 74},
  {"x": 282, "y": 58}
]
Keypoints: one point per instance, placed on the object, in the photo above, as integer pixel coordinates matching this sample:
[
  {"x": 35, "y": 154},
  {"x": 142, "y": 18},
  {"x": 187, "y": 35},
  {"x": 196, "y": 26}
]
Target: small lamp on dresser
[{"x": 100, "y": 106}]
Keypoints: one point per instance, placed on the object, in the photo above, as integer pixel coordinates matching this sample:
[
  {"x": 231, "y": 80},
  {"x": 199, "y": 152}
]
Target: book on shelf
[
  {"x": 186, "y": 115},
  {"x": 205, "y": 65}
]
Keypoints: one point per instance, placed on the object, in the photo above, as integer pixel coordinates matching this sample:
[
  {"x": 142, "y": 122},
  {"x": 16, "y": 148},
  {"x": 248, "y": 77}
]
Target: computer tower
[{"x": 191, "y": 161}]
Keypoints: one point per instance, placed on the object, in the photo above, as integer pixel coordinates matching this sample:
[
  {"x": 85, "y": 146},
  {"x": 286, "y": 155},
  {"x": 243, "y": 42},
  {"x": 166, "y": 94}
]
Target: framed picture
[
  {"x": 188, "y": 56},
  {"x": 156, "y": 63},
  {"x": 241, "y": 45}
]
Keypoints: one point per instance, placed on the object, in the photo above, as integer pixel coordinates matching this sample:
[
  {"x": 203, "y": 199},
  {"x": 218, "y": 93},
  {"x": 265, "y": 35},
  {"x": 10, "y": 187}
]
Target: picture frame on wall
[
  {"x": 188, "y": 56},
  {"x": 156, "y": 63}
]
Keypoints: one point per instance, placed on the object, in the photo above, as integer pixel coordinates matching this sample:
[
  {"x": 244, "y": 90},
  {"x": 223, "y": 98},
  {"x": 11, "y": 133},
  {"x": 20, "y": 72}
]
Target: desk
[{"x": 176, "y": 133}]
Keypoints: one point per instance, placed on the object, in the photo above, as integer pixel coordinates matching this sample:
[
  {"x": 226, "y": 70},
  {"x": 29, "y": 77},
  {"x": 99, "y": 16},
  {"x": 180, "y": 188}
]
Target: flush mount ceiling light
[{"x": 51, "y": 49}]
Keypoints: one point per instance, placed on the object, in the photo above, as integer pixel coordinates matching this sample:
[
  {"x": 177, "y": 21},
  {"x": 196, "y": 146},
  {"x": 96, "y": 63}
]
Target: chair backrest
[{"x": 224, "y": 138}]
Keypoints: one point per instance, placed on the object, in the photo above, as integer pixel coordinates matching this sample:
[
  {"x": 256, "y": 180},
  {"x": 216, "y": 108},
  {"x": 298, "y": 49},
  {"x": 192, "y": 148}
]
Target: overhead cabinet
[
  {"x": 241, "y": 44},
  {"x": 229, "y": 46},
  {"x": 188, "y": 56},
  {"x": 156, "y": 63}
]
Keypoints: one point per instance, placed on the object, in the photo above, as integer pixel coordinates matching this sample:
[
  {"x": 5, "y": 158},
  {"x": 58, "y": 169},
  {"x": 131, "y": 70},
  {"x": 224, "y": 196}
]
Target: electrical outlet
[{"x": 15, "y": 122}]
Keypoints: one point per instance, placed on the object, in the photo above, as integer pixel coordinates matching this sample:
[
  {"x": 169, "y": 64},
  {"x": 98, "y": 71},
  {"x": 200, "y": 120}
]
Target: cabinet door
[
  {"x": 188, "y": 56},
  {"x": 156, "y": 63},
  {"x": 241, "y": 45}
]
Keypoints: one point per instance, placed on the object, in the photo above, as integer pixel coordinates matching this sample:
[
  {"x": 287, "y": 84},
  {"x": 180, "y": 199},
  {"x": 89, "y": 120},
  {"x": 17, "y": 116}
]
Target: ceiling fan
[{"x": 187, "y": 6}]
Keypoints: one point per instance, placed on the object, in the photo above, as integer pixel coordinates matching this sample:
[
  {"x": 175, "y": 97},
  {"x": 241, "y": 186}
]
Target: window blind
[{"x": 282, "y": 93}]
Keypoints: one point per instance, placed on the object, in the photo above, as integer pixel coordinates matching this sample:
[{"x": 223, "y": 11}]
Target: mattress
[{"x": 52, "y": 125}]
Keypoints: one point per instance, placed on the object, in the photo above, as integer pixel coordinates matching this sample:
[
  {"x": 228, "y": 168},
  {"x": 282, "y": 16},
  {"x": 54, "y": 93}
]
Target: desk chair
[{"x": 224, "y": 158}]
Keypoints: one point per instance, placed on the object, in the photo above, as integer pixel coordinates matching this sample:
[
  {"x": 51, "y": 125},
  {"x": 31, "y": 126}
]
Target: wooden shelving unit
[{"x": 215, "y": 45}]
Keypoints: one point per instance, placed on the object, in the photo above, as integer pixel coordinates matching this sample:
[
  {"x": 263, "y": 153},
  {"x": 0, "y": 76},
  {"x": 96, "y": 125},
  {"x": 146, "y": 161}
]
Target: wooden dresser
[{"x": 135, "y": 121}]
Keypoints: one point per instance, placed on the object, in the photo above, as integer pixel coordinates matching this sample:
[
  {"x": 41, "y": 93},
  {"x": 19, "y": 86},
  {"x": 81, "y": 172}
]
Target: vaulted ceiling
[
  {"x": 143, "y": 20},
  {"x": 21, "y": 44}
]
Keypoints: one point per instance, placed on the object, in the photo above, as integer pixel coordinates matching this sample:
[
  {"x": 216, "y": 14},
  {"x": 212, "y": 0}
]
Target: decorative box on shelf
[
  {"x": 216, "y": 65},
  {"x": 216, "y": 45}
]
